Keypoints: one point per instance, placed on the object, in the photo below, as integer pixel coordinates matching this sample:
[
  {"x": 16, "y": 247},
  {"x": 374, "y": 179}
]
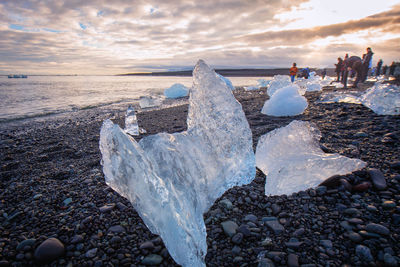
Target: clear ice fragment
[
  {"x": 131, "y": 125},
  {"x": 172, "y": 179},
  {"x": 383, "y": 99},
  {"x": 292, "y": 159}
]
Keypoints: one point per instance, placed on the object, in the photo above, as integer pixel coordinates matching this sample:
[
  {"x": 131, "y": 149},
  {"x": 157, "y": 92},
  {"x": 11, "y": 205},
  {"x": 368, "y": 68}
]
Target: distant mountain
[{"x": 229, "y": 72}]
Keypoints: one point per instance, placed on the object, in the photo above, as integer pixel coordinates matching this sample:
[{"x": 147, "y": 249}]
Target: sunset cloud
[{"x": 109, "y": 37}]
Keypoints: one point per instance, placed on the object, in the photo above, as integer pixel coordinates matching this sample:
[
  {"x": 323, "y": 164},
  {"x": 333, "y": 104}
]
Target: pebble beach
[{"x": 56, "y": 210}]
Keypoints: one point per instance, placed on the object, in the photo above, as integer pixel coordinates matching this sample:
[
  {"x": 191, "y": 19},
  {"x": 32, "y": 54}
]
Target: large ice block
[
  {"x": 383, "y": 99},
  {"x": 292, "y": 159},
  {"x": 172, "y": 179},
  {"x": 286, "y": 101}
]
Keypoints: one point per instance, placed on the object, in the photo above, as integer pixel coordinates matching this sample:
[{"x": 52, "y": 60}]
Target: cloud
[{"x": 101, "y": 36}]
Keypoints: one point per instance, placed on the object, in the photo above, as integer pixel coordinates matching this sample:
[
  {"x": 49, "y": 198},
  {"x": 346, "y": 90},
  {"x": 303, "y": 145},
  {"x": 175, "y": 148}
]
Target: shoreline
[{"x": 54, "y": 187}]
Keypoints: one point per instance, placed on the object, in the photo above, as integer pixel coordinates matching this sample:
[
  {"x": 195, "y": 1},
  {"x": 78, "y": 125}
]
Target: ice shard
[
  {"x": 278, "y": 82},
  {"x": 131, "y": 125},
  {"x": 292, "y": 159},
  {"x": 172, "y": 179},
  {"x": 227, "y": 81}
]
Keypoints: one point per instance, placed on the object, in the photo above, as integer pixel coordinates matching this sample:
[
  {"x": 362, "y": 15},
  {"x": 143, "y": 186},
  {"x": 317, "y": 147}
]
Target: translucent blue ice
[{"x": 172, "y": 179}]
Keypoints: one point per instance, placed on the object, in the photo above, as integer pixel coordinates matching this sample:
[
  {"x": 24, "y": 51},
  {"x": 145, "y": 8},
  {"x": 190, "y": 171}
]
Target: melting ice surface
[
  {"x": 292, "y": 159},
  {"x": 285, "y": 102},
  {"x": 383, "y": 99},
  {"x": 226, "y": 81},
  {"x": 278, "y": 82},
  {"x": 149, "y": 101},
  {"x": 172, "y": 179},
  {"x": 176, "y": 90}
]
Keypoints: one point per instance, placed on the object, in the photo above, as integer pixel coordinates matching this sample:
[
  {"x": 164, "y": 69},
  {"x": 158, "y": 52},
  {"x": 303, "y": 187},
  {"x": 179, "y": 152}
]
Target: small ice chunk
[
  {"x": 340, "y": 97},
  {"x": 131, "y": 125},
  {"x": 172, "y": 179},
  {"x": 226, "y": 81},
  {"x": 285, "y": 102},
  {"x": 263, "y": 82},
  {"x": 278, "y": 82},
  {"x": 383, "y": 99},
  {"x": 313, "y": 86},
  {"x": 251, "y": 88},
  {"x": 176, "y": 90},
  {"x": 292, "y": 159},
  {"x": 149, "y": 102}
]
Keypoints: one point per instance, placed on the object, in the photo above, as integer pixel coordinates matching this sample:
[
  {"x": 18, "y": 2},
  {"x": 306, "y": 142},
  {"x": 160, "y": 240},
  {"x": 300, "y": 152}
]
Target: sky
[{"x": 124, "y": 36}]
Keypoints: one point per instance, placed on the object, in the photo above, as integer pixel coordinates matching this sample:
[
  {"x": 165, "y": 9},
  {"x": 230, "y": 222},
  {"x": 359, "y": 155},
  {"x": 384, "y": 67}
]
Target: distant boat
[{"x": 17, "y": 76}]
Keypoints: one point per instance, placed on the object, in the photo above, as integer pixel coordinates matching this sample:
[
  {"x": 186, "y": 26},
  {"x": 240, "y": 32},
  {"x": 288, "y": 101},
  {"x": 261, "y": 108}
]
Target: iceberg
[
  {"x": 226, "y": 81},
  {"x": 278, "y": 82},
  {"x": 383, "y": 99},
  {"x": 292, "y": 159},
  {"x": 285, "y": 102},
  {"x": 131, "y": 125},
  {"x": 176, "y": 90},
  {"x": 172, "y": 179}
]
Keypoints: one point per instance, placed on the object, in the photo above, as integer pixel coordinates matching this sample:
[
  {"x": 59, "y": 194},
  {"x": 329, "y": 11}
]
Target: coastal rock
[
  {"x": 275, "y": 226},
  {"x": 49, "y": 250},
  {"x": 229, "y": 228},
  {"x": 378, "y": 179},
  {"x": 152, "y": 259},
  {"x": 364, "y": 253},
  {"x": 377, "y": 228}
]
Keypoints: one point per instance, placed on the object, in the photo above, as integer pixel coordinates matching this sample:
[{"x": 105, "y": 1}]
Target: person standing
[
  {"x": 355, "y": 64},
  {"x": 378, "y": 67},
  {"x": 367, "y": 63},
  {"x": 391, "y": 69},
  {"x": 338, "y": 68},
  {"x": 293, "y": 71},
  {"x": 344, "y": 67},
  {"x": 323, "y": 73}
]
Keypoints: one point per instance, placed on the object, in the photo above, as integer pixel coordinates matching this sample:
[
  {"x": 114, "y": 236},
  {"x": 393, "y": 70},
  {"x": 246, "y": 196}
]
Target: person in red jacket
[{"x": 293, "y": 71}]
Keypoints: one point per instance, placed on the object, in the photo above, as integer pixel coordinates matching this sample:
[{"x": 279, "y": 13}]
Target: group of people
[
  {"x": 305, "y": 73},
  {"x": 354, "y": 65}
]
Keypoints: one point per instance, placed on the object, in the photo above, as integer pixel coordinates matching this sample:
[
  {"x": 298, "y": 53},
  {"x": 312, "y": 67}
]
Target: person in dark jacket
[
  {"x": 367, "y": 64},
  {"x": 391, "y": 69},
  {"x": 384, "y": 69},
  {"x": 355, "y": 64},
  {"x": 344, "y": 67},
  {"x": 338, "y": 68},
  {"x": 378, "y": 67}
]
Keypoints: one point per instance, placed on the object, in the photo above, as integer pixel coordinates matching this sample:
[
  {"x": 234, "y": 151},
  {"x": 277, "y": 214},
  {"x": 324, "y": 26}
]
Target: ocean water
[{"x": 39, "y": 96}]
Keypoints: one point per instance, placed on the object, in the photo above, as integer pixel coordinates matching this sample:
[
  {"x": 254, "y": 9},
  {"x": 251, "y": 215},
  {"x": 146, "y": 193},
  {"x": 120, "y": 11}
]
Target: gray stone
[
  {"x": 26, "y": 242},
  {"x": 244, "y": 229},
  {"x": 147, "y": 245},
  {"x": 107, "y": 208},
  {"x": 265, "y": 262},
  {"x": 251, "y": 218},
  {"x": 226, "y": 203},
  {"x": 364, "y": 253},
  {"x": 275, "y": 209},
  {"x": 275, "y": 226},
  {"x": 49, "y": 250},
  {"x": 299, "y": 232},
  {"x": 116, "y": 229},
  {"x": 152, "y": 259},
  {"x": 377, "y": 228},
  {"x": 76, "y": 239},
  {"x": 356, "y": 238},
  {"x": 378, "y": 179},
  {"x": 91, "y": 253},
  {"x": 326, "y": 243},
  {"x": 390, "y": 260},
  {"x": 237, "y": 238},
  {"x": 229, "y": 228},
  {"x": 321, "y": 190},
  {"x": 293, "y": 260}
]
